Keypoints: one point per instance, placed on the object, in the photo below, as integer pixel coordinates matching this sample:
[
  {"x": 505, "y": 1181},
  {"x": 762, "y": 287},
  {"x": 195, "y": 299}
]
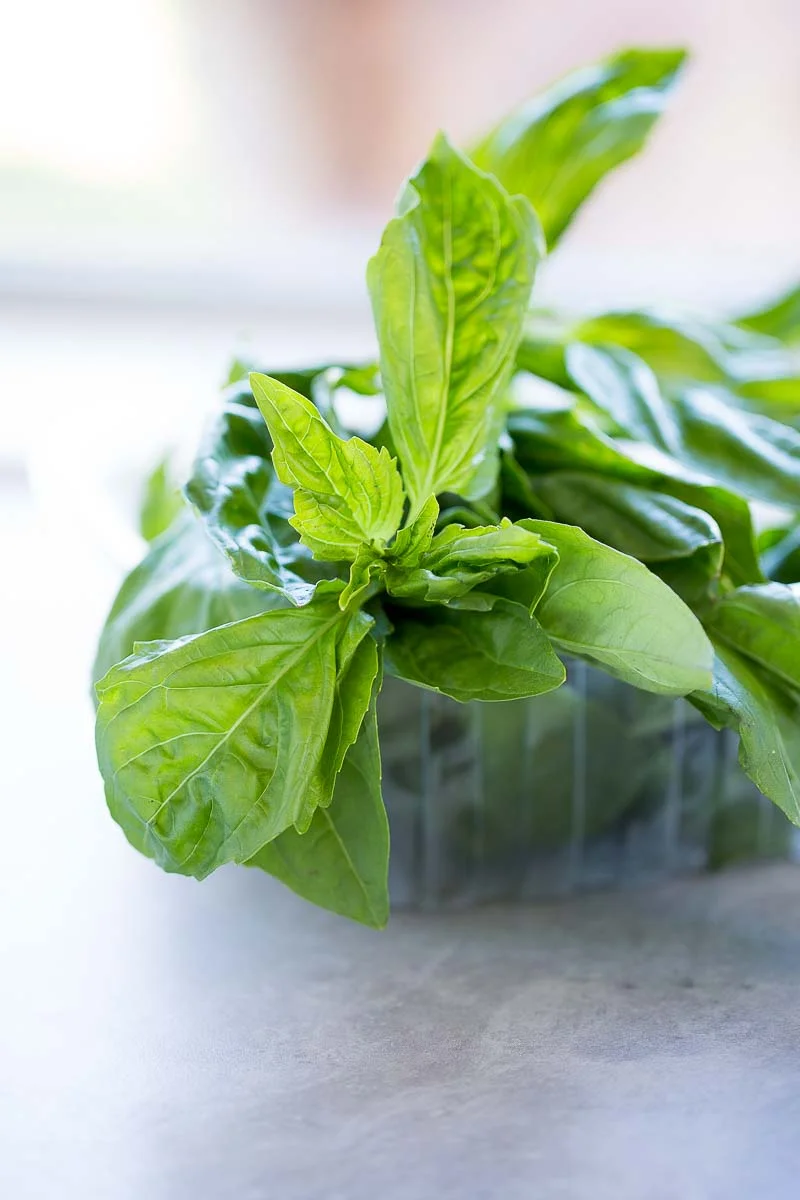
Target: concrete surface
[{"x": 166, "y": 1040}]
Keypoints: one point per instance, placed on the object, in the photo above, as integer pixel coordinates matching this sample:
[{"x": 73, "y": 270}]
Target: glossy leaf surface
[
  {"x": 450, "y": 286},
  {"x": 347, "y": 494},
  {"x": 213, "y": 745},
  {"x": 608, "y": 608},
  {"x": 556, "y": 148},
  {"x": 341, "y": 862},
  {"x": 183, "y": 585},
  {"x": 501, "y": 654}
]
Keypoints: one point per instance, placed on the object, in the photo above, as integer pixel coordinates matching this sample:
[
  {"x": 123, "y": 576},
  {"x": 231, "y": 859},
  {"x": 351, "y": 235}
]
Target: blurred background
[{"x": 183, "y": 178}]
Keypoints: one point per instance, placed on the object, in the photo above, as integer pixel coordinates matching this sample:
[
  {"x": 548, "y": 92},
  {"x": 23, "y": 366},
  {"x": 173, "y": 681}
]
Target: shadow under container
[{"x": 594, "y": 785}]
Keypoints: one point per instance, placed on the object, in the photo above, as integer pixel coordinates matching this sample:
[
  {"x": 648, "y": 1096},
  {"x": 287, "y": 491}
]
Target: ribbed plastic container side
[{"x": 595, "y": 785}]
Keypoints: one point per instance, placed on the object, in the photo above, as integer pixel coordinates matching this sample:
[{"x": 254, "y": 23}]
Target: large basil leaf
[
  {"x": 608, "y": 608},
  {"x": 183, "y": 585},
  {"x": 450, "y": 285},
  {"x": 747, "y": 452},
  {"x": 341, "y": 862},
  {"x": 679, "y": 349},
  {"x": 750, "y": 370},
  {"x": 768, "y": 723},
  {"x": 755, "y": 371},
  {"x": 562, "y": 439},
  {"x": 211, "y": 746},
  {"x": 459, "y": 559},
  {"x": 245, "y": 506},
  {"x": 683, "y": 544},
  {"x": 744, "y": 451},
  {"x": 556, "y": 148},
  {"x": 623, "y": 386},
  {"x": 500, "y": 654},
  {"x": 764, "y": 623},
  {"x": 347, "y": 494}
]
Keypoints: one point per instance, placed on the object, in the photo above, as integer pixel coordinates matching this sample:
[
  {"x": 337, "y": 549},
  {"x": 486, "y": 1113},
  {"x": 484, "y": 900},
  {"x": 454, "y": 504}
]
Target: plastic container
[{"x": 594, "y": 785}]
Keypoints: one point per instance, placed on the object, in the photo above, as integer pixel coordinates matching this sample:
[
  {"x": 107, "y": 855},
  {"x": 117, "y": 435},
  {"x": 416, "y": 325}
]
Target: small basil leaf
[
  {"x": 246, "y": 508},
  {"x": 211, "y": 746},
  {"x": 450, "y": 285},
  {"x": 556, "y": 148},
  {"x": 347, "y": 494},
  {"x": 414, "y": 539},
  {"x": 763, "y": 623},
  {"x": 767, "y": 721},
  {"x": 501, "y": 654},
  {"x": 161, "y": 502},
  {"x": 460, "y": 559},
  {"x": 608, "y": 608},
  {"x": 341, "y": 862},
  {"x": 623, "y": 386},
  {"x": 183, "y": 585},
  {"x": 365, "y": 570}
]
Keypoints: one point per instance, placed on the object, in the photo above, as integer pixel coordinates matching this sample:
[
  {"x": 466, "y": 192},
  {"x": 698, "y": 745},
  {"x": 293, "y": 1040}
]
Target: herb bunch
[{"x": 641, "y": 512}]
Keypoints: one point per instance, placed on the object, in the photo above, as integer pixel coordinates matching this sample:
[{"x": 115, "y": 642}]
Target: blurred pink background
[{"x": 179, "y": 178}]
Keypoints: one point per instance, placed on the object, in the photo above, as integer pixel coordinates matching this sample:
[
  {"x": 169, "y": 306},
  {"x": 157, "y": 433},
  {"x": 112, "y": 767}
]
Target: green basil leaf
[
  {"x": 161, "y": 502},
  {"x": 749, "y": 453},
  {"x": 645, "y": 524},
  {"x": 211, "y": 746},
  {"x": 754, "y": 370},
  {"x": 347, "y": 494},
  {"x": 679, "y": 350},
  {"x": 365, "y": 571},
  {"x": 763, "y": 623},
  {"x": 450, "y": 285},
  {"x": 183, "y": 585},
  {"x": 556, "y": 148},
  {"x": 781, "y": 561},
  {"x": 245, "y": 506},
  {"x": 608, "y": 608},
  {"x": 778, "y": 319},
  {"x": 680, "y": 543},
  {"x": 623, "y": 386},
  {"x": 767, "y": 721},
  {"x": 341, "y": 862},
  {"x": 561, "y": 439},
  {"x": 414, "y": 539},
  {"x": 460, "y": 559},
  {"x": 750, "y": 370},
  {"x": 501, "y": 654}
]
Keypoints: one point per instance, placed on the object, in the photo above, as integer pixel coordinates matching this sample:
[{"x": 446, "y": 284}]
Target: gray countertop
[{"x": 169, "y": 1040}]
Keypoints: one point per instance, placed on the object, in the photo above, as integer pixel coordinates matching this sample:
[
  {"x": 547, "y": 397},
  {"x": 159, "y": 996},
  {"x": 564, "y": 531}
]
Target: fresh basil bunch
[{"x": 480, "y": 533}]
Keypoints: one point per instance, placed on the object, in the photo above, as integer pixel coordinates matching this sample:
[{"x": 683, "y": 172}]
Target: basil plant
[{"x": 640, "y": 512}]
